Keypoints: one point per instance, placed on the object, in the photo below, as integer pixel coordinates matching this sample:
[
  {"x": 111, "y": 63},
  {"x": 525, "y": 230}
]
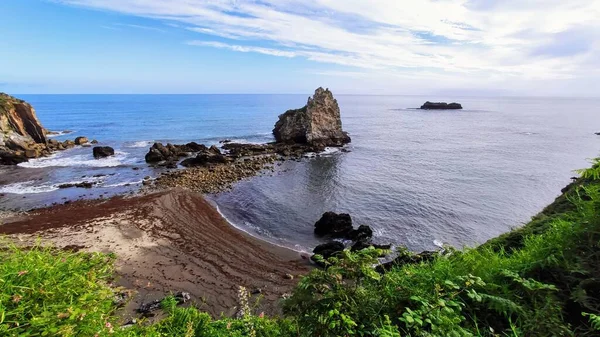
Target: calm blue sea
[{"x": 419, "y": 178}]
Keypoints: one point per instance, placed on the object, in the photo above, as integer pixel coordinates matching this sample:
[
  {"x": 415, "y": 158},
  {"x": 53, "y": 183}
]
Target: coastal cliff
[
  {"x": 21, "y": 133},
  {"x": 317, "y": 123}
]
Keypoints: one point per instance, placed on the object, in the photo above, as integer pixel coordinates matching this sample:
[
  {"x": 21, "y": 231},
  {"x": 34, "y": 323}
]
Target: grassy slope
[{"x": 540, "y": 280}]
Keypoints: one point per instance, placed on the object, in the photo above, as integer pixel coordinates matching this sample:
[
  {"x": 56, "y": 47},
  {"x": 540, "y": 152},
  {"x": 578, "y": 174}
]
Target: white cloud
[
  {"x": 484, "y": 40},
  {"x": 243, "y": 49}
]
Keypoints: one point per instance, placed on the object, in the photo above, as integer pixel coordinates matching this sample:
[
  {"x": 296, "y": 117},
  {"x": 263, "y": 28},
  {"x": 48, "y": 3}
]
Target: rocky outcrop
[
  {"x": 80, "y": 140},
  {"x": 318, "y": 122},
  {"x": 22, "y": 136},
  {"x": 211, "y": 156},
  {"x": 340, "y": 226},
  {"x": 21, "y": 133},
  {"x": 169, "y": 155},
  {"x": 327, "y": 250},
  {"x": 441, "y": 106},
  {"x": 333, "y": 224},
  {"x": 103, "y": 152}
]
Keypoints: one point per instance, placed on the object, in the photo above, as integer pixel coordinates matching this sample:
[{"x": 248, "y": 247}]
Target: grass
[
  {"x": 540, "y": 280},
  {"x": 51, "y": 292}
]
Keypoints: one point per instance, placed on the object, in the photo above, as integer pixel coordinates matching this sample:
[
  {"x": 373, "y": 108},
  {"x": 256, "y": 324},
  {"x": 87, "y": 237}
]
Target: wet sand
[{"x": 169, "y": 241}]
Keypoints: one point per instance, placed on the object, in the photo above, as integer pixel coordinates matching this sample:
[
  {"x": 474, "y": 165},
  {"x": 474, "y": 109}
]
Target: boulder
[
  {"x": 204, "y": 159},
  {"x": 441, "y": 106},
  {"x": 194, "y": 147},
  {"x": 103, "y": 151},
  {"x": 363, "y": 233},
  {"x": 80, "y": 140},
  {"x": 333, "y": 224},
  {"x": 407, "y": 257},
  {"x": 328, "y": 249},
  {"x": 9, "y": 157},
  {"x": 67, "y": 144},
  {"x": 597, "y": 133},
  {"x": 318, "y": 122},
  {"x": 215, "y": 150},
  {"x": 171, "y": 153},
  {"x": 84, "y": 184},
  {"x": 94, "y": 141},
  {"x": 360, "y": 245}
]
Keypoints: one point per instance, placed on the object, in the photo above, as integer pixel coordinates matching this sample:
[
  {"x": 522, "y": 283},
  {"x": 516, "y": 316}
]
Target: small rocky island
[{"x": 441, "y": 106}]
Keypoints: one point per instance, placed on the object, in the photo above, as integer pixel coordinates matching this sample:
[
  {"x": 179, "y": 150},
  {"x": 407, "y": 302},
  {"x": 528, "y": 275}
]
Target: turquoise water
[{"x": 419, "y": 178}]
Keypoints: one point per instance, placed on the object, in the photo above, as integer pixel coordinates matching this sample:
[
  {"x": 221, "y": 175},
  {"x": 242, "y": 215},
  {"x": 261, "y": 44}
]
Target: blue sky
[{"x": 470, "y": 47}]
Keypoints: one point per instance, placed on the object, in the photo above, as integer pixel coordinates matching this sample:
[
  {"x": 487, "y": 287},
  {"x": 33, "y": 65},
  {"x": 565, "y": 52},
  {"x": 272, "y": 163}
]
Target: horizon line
[{"x": 288, "y": 94}]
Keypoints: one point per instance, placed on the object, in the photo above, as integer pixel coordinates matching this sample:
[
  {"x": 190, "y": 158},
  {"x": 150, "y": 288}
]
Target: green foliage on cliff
[{"x": 540, "y": 280}]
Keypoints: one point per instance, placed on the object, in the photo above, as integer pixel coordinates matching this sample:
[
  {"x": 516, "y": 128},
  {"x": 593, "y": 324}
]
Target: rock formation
[
  {"x": 103, "y": 152},
  {"x": 80, "y": 140},
  {"x": 440, "y": 106},
  {"x": 169, "y": 155},
  {"x": 22, "y": 136},
  {"x": 21, "y": 133},
  {"x": 318, "y": 122},
  {"x": 333, "y": 224}
]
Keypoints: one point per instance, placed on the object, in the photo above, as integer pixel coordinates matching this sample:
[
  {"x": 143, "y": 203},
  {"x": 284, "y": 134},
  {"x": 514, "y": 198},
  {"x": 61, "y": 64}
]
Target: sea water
[{"x": 418, "y": 178}]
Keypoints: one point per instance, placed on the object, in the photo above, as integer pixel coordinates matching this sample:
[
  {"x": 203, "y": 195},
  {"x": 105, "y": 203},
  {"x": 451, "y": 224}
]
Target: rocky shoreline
[{"x": 298, "y": 132}]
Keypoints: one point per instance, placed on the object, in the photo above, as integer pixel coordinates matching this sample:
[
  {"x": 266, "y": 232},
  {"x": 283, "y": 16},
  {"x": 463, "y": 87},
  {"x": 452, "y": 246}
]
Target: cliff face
[
  {"x": 21, "y": 133},
  {"x": 318, "y": 122}
]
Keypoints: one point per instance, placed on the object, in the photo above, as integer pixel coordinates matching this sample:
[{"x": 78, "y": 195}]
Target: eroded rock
[
  {"x": 103, "y": 151},
  {"x": 318, "y": 122},
  {"x": 80, "y": 140},
  {"x": 333, "y": 224}
]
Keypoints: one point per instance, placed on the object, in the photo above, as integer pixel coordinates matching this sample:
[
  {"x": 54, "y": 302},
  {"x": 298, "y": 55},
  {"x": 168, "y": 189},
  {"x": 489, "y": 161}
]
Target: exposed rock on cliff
[
  {"x": 441, "y": 106},
  {"x": 21, "y": 133},
  {"x": 318, "y": 122}
]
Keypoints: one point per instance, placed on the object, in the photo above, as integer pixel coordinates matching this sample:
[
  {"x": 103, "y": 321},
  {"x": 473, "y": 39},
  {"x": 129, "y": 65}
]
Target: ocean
[{"x": 418, "y": 178}]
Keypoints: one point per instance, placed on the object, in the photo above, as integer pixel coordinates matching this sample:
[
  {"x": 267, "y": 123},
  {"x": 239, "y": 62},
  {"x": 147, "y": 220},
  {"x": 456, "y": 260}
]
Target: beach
[{"x": 168, "y": 241}]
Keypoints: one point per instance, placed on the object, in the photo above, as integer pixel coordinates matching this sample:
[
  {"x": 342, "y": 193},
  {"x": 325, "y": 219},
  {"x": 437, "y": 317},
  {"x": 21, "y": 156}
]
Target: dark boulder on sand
[
  {"x": 103, "y": 151},
  {"x": 441, "y": 106},
  {"x": 318, "y": 122},
  {"x": 333, "y": 224}
]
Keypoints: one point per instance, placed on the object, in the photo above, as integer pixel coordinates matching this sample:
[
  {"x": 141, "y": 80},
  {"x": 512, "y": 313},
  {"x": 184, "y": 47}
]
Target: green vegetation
[{"x": 540, "y": 280}]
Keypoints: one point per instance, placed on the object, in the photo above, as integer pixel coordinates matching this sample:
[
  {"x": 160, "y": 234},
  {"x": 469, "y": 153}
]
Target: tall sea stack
[{"x": 317, "y": 123}]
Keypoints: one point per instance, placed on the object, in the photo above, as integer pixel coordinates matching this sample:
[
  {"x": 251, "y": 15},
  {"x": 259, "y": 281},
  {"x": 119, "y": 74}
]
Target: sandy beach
[{"x": 168, "y": 241}]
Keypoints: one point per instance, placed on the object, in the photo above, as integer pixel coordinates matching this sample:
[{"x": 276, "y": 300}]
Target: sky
[{"x": 390, "y": 47}]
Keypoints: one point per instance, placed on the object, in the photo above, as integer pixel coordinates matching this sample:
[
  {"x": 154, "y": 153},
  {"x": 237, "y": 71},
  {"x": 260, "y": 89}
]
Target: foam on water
[
  {"x": 27, "y": 187},
  {"x": 83, "y": 160},
  {"x": 140, "y": 144},
  {"x": 123, "y": 183},
  {"x": 59, "y": 133}
]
